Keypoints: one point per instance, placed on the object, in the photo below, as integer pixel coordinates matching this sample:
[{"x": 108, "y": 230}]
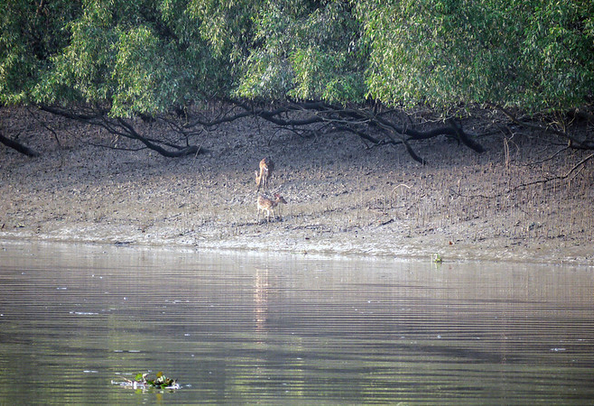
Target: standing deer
[
  {"x": 266, "y": 169},
  {"x": 268, "y": 205}
]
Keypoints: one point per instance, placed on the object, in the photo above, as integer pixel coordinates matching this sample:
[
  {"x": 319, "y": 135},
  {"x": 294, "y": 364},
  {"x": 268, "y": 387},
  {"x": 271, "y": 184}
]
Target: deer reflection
[{"x": 261, "y": 287}]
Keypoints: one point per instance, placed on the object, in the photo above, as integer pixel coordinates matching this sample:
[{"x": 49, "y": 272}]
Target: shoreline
[
  {"x": 343, "y": 198},
  {"x": 572, "y": 256}
]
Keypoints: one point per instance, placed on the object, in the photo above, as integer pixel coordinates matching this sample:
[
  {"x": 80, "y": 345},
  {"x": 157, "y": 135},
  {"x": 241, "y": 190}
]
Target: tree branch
[
  {"x": 309, "y": 115},
  {"x": 121, "y": 127},
  {"x": 559, "y": 177},
  {"x": 23, "y": 149},
  {"x": 573, "y": 142}
]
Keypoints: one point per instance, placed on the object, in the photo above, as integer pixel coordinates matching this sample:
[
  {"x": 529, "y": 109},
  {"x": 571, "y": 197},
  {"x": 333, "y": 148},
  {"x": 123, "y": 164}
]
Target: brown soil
[{"x": 343, "y": 198}]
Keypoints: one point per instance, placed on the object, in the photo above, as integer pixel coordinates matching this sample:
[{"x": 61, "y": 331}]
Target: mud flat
[{"x": 343, "y": 198}]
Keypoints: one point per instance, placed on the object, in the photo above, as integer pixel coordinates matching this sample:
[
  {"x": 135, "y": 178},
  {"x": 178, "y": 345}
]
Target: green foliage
[
  {"x": 142, "y": 381},
  {"x": 30, "y": 33},
  {"x": 146, "y": 56},
  {"x": 138, "y": 56},
  {"x": 558, "y": 54},
  {"x": 81, "y": 71},
  {"x": 225, "y": 24},
  {"x": 161, "y": 382},
  {"x": 533, "y": 54},
  {"x": 310, "y": 52},
  {"x": 268, "y": 74}
]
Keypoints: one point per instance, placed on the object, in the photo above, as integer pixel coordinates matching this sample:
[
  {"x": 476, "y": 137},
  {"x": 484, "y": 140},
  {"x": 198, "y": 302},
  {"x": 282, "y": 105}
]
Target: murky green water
[{"x": 273, "y": 329}]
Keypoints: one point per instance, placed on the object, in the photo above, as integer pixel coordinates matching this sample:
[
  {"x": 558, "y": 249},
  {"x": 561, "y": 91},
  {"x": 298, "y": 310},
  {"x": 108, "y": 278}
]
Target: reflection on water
[{"x": 247, "y": 328}]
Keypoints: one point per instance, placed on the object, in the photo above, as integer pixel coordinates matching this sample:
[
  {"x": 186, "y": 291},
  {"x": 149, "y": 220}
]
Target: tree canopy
[{"x": 131, "y": 57}]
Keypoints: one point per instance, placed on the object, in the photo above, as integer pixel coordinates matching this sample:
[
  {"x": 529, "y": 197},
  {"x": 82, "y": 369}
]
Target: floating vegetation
[{"x": 142, "y": 381}]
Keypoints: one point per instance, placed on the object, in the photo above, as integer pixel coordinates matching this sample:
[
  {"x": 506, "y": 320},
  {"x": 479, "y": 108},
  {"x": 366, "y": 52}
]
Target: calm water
[{"x": 266, "y": 328}]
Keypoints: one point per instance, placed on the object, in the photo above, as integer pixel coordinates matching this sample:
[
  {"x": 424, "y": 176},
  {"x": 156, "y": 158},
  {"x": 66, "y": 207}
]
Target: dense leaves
[
  {"x": 308, "y": 53},
  {"x": 135, "y": 57},
  {"x": 106, "y": 62},
  {"x": 147, "y": 56},
  {"x": 30, "y": 33},
  {"x": 536, "y": 55}
]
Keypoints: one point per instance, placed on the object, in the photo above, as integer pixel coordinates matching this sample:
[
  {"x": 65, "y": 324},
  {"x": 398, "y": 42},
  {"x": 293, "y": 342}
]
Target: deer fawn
[
  {"x": 266, "y": 168},
  {"x": 268, "y": 205}
]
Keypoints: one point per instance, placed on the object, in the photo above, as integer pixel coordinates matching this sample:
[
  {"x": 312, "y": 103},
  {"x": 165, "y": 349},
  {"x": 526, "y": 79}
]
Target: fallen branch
[
  {"x": 23, "y": 149},
  {"x": 560, "y": 177}
]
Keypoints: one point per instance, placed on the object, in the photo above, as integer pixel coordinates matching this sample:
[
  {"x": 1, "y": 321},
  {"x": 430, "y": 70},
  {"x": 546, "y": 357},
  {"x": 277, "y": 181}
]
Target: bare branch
[
  {"x": 306, "y": 116},
  {"x": 23, "y": 149},
  {"x": 559, "y": 177},
  {"x": 122, "y": 127},
  {"x": 573, "y": 141}
]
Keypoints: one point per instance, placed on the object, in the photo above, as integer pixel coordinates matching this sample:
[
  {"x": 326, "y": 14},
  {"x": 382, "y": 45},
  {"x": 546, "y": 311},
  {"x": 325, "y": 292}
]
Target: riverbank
[{"x": 343, "y": 198}]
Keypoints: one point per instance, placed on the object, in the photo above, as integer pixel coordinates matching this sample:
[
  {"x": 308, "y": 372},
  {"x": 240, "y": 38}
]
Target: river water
[{"x": 274, "y": 329}]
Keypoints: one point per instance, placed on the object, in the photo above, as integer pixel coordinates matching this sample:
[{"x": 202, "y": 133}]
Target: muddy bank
[{"x": 343, "y": 198}]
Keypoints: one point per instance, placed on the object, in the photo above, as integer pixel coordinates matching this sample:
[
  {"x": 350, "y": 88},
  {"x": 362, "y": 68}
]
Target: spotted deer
[
  {"x": 266, "y": 204},
  {"x": 266, "y": 169}
]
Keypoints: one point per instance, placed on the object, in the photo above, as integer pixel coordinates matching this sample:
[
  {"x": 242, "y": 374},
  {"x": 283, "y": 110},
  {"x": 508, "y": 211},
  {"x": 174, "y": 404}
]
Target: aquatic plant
[{"x": 141, "y": 381}]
